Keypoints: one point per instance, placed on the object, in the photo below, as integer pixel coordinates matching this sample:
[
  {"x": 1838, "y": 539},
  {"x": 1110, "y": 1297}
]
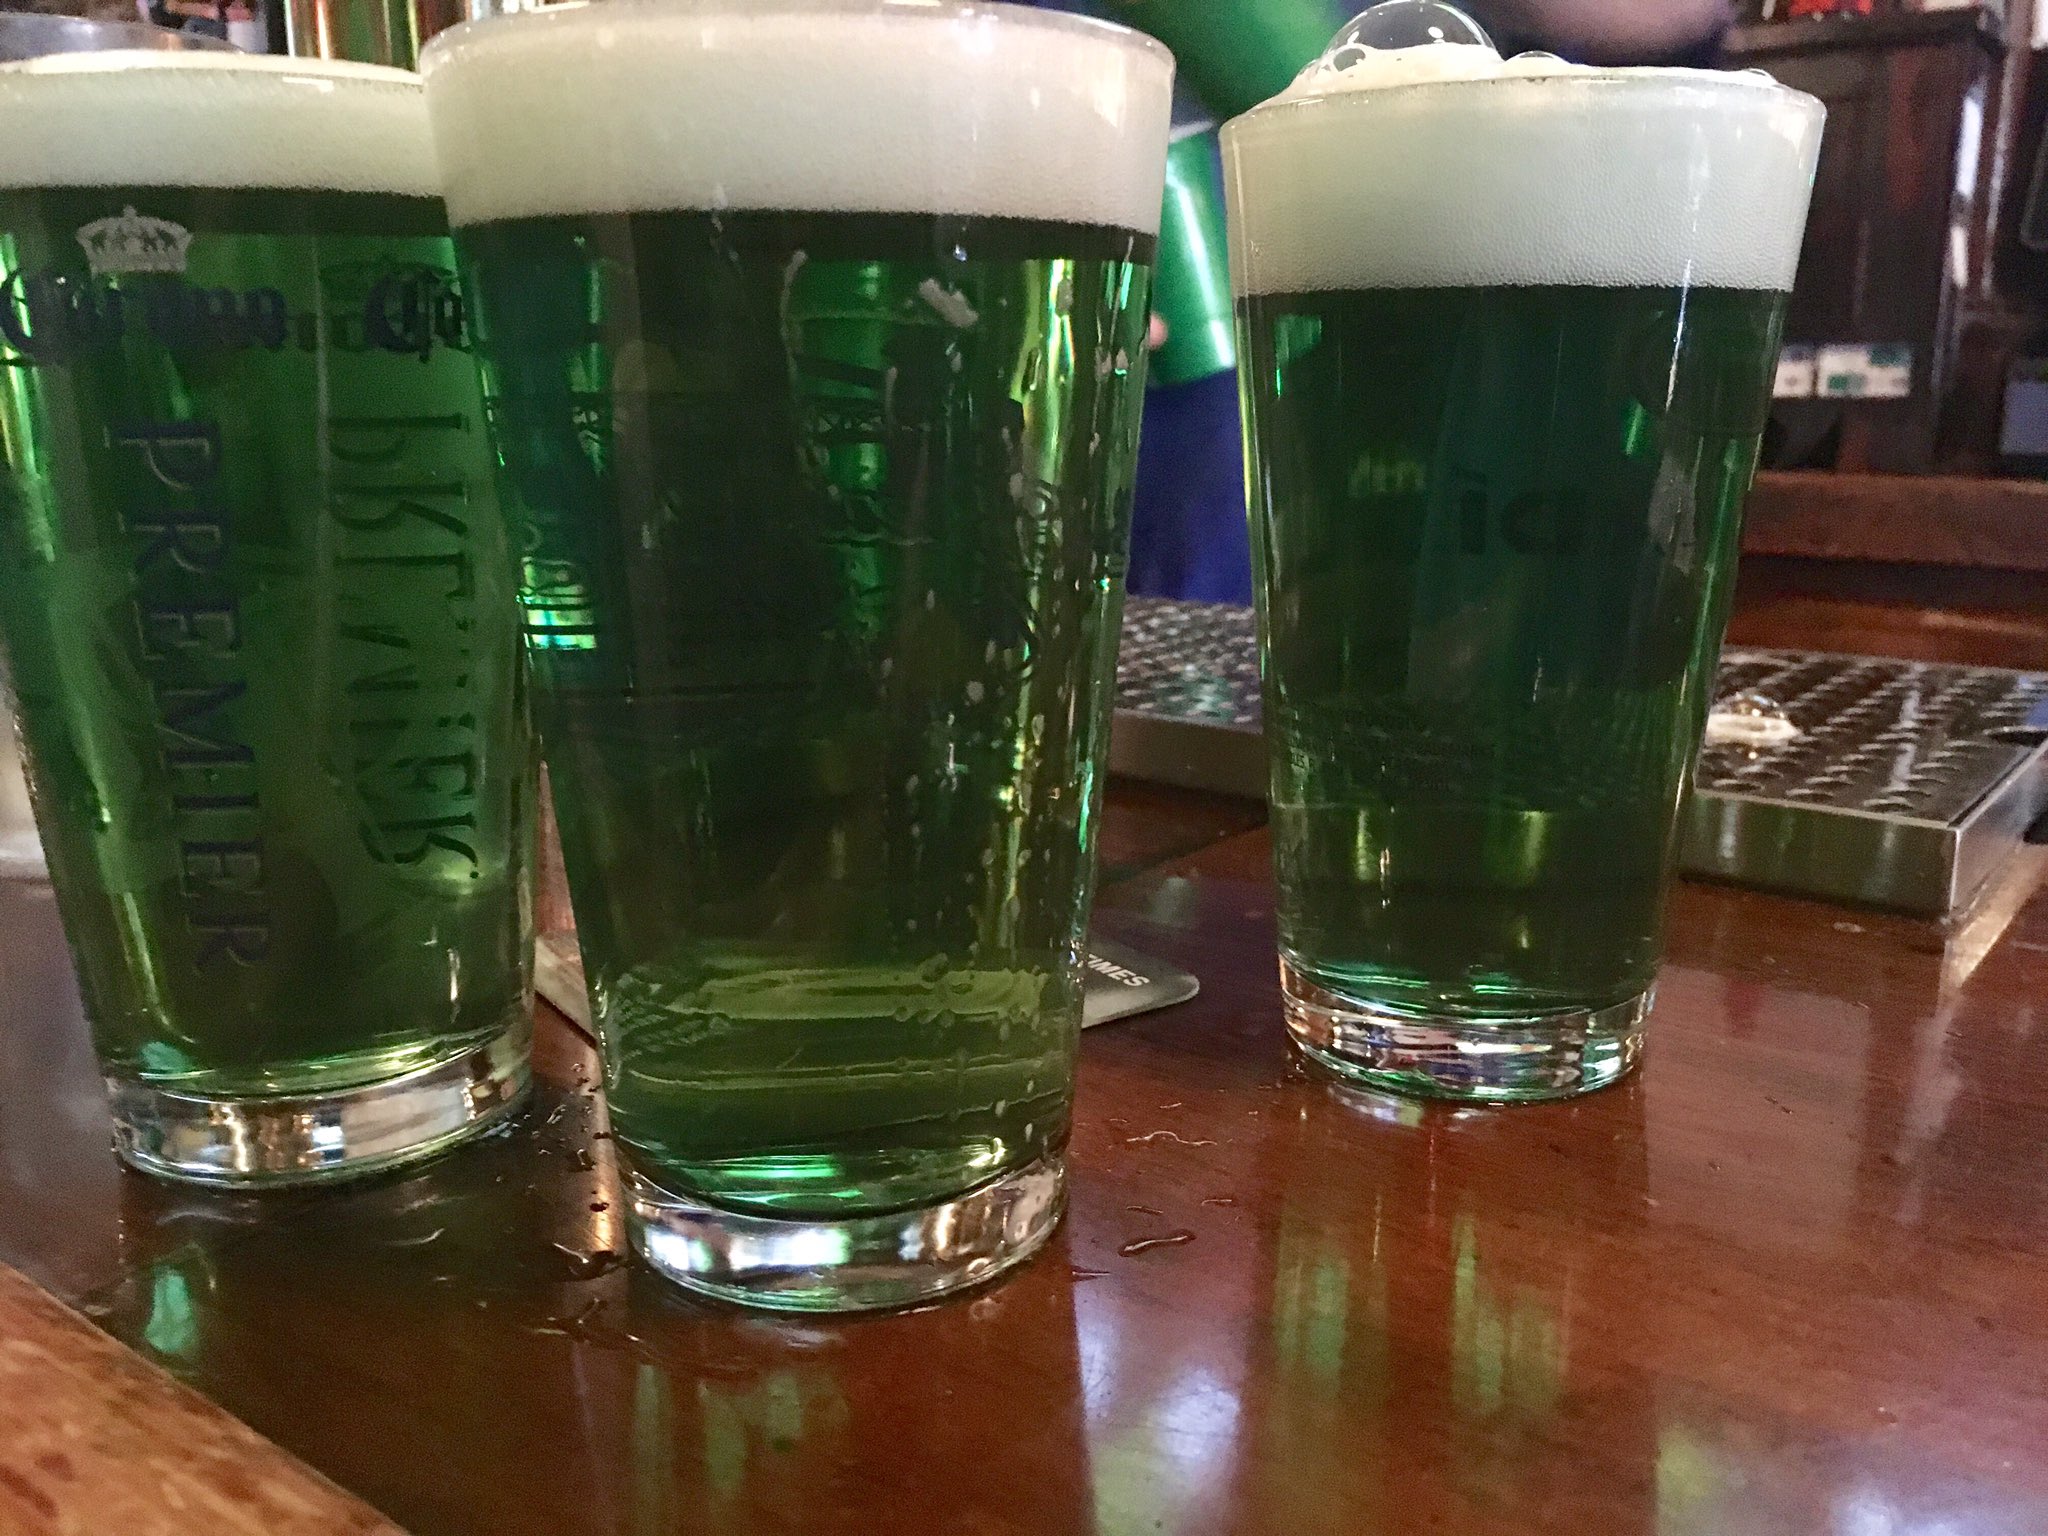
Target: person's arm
[{"x": 1611, "y": 31}]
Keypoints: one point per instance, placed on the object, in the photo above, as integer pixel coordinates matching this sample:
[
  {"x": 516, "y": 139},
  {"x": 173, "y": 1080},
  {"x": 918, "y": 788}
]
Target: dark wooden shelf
[
  {"x": 1777, "y": 37},
  {"x": 1991, "y": 525}
]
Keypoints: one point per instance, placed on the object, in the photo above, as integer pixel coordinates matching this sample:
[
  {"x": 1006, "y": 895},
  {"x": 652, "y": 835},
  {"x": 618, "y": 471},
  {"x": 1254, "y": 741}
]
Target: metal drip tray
[
  {"x": 1187, "y": 697},
  {"x": 1907, "y": 785}
]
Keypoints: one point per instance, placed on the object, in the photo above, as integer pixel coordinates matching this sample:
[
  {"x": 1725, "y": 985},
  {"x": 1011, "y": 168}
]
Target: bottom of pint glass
[
  {"x": 317, "y": 1138},
  {"x": 1495, "y": 1059},
  {"x": 857, "y": 1264}
]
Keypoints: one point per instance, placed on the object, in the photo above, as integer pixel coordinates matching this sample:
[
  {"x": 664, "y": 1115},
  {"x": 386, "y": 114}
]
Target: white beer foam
[
  {"x": 1355, "y": 67},
  {"x": 148, "y": 118},
  {"x": 908, "y": 106},
  {"x": 1447, "y": 166}
]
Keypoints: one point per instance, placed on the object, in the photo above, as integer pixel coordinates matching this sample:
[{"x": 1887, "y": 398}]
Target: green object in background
[
  {"x": 375, "y": 31},
  {"x": 1191, "y": 291},
  {"x": 1236, "y": 53},
  {"x": 365, "y": 31}
]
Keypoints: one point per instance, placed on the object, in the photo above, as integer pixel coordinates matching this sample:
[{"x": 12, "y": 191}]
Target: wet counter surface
[{"x": 1792, "y": 1277}]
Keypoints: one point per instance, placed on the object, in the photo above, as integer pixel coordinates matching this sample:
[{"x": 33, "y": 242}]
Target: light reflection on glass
[
  {"x": 1426, "y": 1315},
  {"x": 802, "y": 1248},
  {"x": 1312, "y": 1305},
  {"x": 1507, "y": 1351},
  {"x": 173, "y": 1328},
  {"x": 1689, "y": 1484},
  {"x": 746, "y": 1431},
  {"x": 655, "y": 1504},
  {"x": 1161, "y": 1454},
  {"x": 1095, "y": 1338},
  {"x": 1867, "y": 1512}
]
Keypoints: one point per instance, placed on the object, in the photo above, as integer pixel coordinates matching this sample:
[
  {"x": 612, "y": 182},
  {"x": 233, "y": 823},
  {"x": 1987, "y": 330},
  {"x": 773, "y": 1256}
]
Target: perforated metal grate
[
  {"x": 1890, "y": 738},
  {"x": 1190, "y": 661}
]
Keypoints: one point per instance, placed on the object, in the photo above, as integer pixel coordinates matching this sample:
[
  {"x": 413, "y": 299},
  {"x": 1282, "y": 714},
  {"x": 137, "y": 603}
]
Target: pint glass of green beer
[
  {"x": 1508, "y": 333},
  {"x": 258, "y": 610},
  {"x": 813, "y": 340}
]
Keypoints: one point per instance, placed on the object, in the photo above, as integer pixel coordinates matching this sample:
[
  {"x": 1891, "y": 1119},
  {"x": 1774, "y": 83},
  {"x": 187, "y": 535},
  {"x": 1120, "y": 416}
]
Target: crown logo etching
[{"x": 134, "y": 242}]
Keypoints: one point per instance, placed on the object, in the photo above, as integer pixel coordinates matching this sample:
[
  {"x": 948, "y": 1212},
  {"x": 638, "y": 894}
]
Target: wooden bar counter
[{"x": 1792, "y": 1277}]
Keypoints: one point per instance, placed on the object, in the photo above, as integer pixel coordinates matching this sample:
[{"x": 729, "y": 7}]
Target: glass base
[
  {"x": 315, "y": 1138},
  {"x": 864, "y": 1263},
  {"x": 1506, "y": 1059}
]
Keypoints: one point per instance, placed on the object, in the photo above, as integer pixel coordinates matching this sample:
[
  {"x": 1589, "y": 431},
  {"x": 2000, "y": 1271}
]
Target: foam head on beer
[
  {"x": 1445, "y": 165},
  {"x": 146, "y": 118},
  {"x": 846, "y": 106}
]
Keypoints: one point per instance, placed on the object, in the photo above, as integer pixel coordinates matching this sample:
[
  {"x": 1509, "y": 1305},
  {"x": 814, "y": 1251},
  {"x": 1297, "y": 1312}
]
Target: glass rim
[
  {"x": 58, "y": 67},
  {"x": 565, "y": 13},
  {"x": 92, "y": 34},
  {"x": 1758, "y": 84},
  {"x": 232, "y": 122}
]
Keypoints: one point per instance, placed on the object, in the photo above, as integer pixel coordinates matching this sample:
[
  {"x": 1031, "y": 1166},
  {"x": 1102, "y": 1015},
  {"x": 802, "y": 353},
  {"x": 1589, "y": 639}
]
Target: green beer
[
  {"x": 1508, "y": 345},
  {"x": 259, "y": 611},
  {"x": 819, "y": 468}
]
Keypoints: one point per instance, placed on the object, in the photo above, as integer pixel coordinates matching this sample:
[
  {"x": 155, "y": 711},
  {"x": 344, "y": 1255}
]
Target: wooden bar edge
[{"x": 95, "y": 1439}]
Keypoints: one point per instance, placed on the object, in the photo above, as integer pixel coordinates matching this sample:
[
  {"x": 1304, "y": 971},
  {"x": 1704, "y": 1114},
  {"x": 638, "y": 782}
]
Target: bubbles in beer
[{"x": 1406, "y": 24}]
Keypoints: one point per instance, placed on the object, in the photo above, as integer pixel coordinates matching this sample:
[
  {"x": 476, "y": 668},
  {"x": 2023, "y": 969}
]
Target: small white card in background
[
  {"x": 1864, "y": 372},
  {"x": 1795, "y": 374}
]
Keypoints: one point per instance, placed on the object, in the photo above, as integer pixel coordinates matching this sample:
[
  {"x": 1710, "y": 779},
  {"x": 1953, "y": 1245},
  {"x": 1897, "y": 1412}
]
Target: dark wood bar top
[{"x": 1793, "y": 1277}]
